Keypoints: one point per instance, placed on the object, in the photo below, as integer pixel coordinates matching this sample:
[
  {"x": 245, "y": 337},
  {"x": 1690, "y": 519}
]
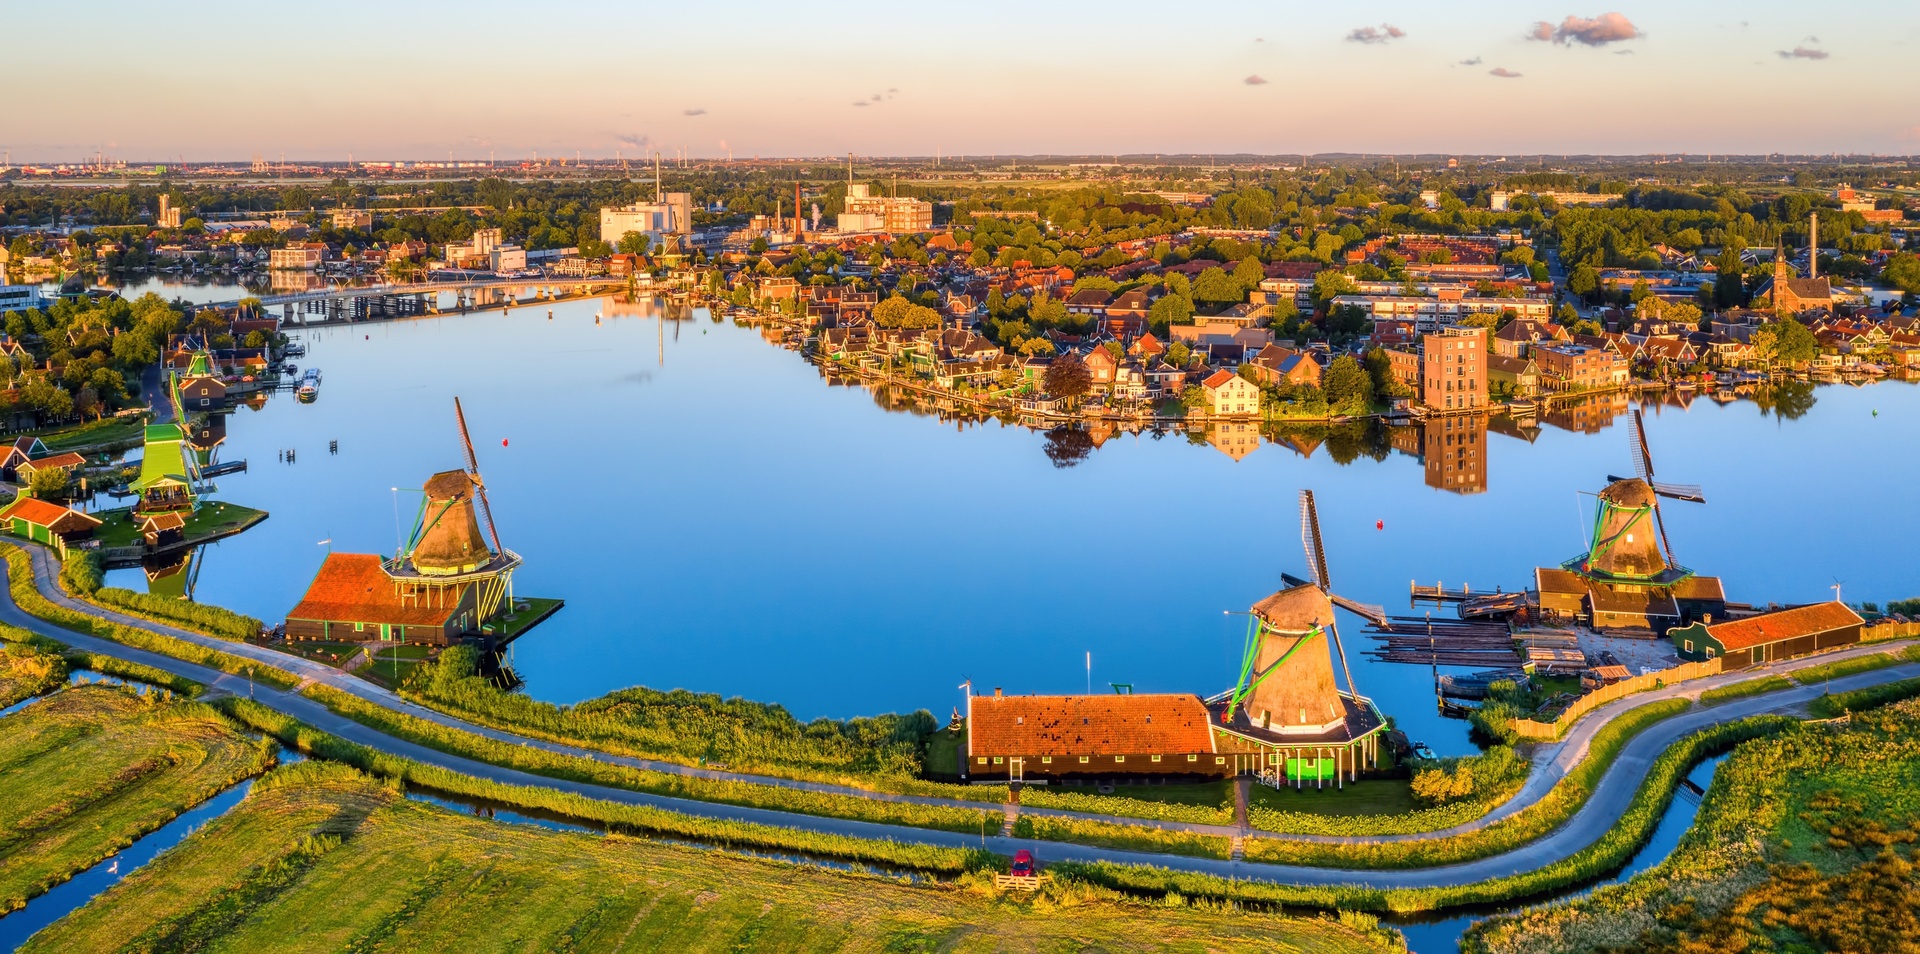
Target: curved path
[{"x": 1601, "y": 812}]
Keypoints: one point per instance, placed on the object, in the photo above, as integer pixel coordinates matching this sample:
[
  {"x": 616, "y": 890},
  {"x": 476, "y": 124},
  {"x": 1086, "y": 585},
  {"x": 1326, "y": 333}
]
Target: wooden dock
[
  {"x": 1444, "y": 642},
  {"x": 1438, "y": 593}
]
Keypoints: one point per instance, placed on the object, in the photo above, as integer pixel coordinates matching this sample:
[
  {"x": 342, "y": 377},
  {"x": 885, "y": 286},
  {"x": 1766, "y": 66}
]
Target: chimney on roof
[{"x": 996, "y": 692}]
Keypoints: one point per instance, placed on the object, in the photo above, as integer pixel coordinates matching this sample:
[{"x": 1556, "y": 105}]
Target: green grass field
[
  {"x": 393, "y": 661},
  {"x": 1806, "y": 841},
  {"x": 25, "y": 672},
  {"x": 319, "y": 859},
  {"x": 1847, "y": 667},
  {"x": 105, "y": 430},
  {"x": 91, "y": 768}
]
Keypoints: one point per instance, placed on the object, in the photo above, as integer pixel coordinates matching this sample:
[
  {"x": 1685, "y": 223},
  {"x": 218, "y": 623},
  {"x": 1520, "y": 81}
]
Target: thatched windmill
[
  {"x": 446, "y": 550},
  {"x": 1629, "y": 538},
  {"x": 1286, "y": 671}
]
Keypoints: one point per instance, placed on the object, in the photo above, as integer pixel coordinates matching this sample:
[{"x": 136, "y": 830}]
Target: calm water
[{"x": 722, "y": 520}]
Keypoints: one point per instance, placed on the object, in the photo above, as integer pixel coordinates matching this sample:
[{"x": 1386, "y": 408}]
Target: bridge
[{"x": 433, "y": 288}]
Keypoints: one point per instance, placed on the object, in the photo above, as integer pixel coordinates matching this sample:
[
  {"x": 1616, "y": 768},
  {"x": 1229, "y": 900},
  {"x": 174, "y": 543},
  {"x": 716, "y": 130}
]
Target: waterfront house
[
  {"x": 1102, "y": 365},
  {"x": 1087, "y": 737},
  {"x": 1275, "y": 364},
  {"x": 162, "y": 529},
  {"x": 1769, "y": 637},
  {"x": 1230, "y": 395},
  {"x": 23, "y": 449},
  {"x": 353, "y": 599},
  {"x": 1516, "y": 338},
  {"x": 66, "y": 463},
  {"x": 46, "y": 522},
  {"x": 1519, "y": 377},
  {"x": 1146, "y": 347}
]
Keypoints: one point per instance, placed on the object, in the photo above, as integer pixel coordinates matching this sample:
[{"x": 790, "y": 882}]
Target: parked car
[{"x": 1022, "y": 864}]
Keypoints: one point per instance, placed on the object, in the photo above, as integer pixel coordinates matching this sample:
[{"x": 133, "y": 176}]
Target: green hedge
[
  {"x": 617, "y": 817},
  {"x": 1612, "y": 850},
  {"x": 1858, "y": 700},
  {"x": 212, "y": 620},
  {"x": 580, "y": 769},
  {"x": 1508, "y": 833}
]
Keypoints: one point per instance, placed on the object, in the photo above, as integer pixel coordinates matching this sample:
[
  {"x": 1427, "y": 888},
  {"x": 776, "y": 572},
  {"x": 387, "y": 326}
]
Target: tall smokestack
[
  {"x": 797, "y": 226},
  {"x": 1813, "y": 245}
]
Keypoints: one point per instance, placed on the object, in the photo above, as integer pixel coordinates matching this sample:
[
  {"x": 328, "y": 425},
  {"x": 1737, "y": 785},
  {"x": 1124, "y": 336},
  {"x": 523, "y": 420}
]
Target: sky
[{"x": 383, "y": 80}]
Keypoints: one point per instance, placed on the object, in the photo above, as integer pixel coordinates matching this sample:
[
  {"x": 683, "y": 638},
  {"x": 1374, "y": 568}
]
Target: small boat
[{"x": 306, "y": 393}]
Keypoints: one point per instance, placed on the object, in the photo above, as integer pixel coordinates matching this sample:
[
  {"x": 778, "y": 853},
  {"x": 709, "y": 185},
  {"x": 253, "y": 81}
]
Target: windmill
[
  {"x": 446, "y": 551},
  {"x": 1281, "y": 626},
  {"x": 1643, "y": 468}
]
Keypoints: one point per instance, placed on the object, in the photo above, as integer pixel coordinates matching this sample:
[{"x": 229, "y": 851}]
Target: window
[
  {"x": 1156, "y": 758},
  {"x": 997, "y": 760},
  {"x": 1219, "y": 760},
  {"x": 1119, "y": 758},
  {"x": 1193, "y": 758},
  {"x": 1083, "y": 760},
  {"x": 1046, "y": 760},
  {"x": 1689, "y": 645},
  {"x": 982, "y": 760}
]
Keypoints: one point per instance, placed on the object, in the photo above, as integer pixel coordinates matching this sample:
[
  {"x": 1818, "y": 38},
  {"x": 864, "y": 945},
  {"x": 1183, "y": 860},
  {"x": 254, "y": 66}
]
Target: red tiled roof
[
  {"x": 1785, "y": 624},
  {"x": 1218, "y": 378},
  {"x": 351, "y": 587},
  {"x": 47, "y": 514},
  {"x": 1145, "y": 724},
  {"x": 62, "y": 461}
]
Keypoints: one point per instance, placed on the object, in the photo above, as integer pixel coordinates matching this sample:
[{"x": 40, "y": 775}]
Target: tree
[
  {"x": 1178, "y": 354},
  {"x": 1215, "y": 286},
  {"x": 1249, "y": 273},
  {"x": 1585, "y": 280},
  {"x": 1068, "y": 377},
  {"x": 1785, "y": 340},
  {"x": 635, "y": 243},
  {"x": 1170, "y": 310},
  {"x": 898, "y": 312},
  {"x": 1903, "y": 272},
  {"x": 1347, "y": 386},
  {"x": 1330, "y": 284},
  {"x": 48, "y": 483}
]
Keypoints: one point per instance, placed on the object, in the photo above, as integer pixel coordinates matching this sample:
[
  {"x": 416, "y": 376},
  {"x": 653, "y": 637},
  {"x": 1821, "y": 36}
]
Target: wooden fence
[
  {"x": 1887, "y": 629},
  {"x": 1529, "y": 729}
]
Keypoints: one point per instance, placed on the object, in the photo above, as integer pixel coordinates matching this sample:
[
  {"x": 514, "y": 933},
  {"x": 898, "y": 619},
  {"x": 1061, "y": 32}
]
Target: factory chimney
[{"x": 1813, "y": 245}]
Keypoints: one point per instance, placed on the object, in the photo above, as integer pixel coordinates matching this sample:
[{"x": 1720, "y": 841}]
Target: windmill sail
[
  {"x": 1317, "y": 559},
  {"x": 473, "y": 473}
]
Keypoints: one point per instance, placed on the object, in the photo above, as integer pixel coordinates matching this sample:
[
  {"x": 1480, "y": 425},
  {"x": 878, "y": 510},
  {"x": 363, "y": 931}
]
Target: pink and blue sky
[{"x": 224, "y": 80}]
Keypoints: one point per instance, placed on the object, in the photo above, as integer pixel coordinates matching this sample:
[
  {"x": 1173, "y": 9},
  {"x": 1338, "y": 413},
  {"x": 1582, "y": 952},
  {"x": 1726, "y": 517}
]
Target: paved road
[{"x": 1609, "y": 801}]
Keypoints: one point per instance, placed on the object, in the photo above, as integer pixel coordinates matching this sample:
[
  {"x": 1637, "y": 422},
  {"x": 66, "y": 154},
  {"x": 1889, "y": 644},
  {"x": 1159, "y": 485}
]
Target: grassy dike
[
  {"x": 273, "y": 874},
  {"x": 1596, "y": 860},
  {"x": 27, "y": 596},
  {"x": 92, "y": 768}
]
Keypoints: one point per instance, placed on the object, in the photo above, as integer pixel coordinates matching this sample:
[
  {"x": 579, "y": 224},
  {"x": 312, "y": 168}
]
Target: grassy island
[{"x": 91, "y": 768}]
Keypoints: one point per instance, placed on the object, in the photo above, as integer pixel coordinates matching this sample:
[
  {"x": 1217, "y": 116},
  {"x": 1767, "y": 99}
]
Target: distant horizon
[
  {"x": 1079, "y": 158},
  {"x": 233, "y": 80}
]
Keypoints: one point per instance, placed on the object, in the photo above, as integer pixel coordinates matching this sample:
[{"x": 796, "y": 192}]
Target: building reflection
[
  {"x": 173, "y": 575},
  {"x": 1454, "y": 449},
  {"x": 1236, "y": 439},
  {"x": 1588, "y": 415}
]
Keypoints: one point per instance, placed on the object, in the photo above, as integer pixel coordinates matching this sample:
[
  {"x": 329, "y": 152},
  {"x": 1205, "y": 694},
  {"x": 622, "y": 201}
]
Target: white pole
[{"x": 1089, "y": 672}]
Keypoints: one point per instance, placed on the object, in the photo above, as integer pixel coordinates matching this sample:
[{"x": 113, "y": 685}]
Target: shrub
[
  {"x": 80, "y": 571},
  {"x": 212, "y": 620}
]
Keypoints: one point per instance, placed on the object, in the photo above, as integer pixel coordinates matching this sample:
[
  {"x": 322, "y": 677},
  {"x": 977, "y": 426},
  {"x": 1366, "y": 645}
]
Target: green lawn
[
  {"x": 105, "y": 430},
  {"x": 521, "y": 619},
  {"x": 118, "y": 528},
  {"x": 331, "y": 653},
  {"x": 1368, "y": 797},
  {"x": 91, "y": 768},
  {"x": 943, "y": 752},
  {"x": 320, "y": 859},
  {"x": 393, "y": 661}
]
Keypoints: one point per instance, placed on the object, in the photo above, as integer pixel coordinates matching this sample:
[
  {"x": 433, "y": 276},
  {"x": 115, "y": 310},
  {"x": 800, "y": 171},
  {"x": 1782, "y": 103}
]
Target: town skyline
[{"x": 776, "y": 83}]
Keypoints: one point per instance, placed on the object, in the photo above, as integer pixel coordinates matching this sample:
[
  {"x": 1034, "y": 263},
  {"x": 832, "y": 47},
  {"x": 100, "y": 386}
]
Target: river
[{"x": 719, "y": 518}]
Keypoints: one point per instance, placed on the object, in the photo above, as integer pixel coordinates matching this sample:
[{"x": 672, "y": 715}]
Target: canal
[{"x": 719, "y": 518}]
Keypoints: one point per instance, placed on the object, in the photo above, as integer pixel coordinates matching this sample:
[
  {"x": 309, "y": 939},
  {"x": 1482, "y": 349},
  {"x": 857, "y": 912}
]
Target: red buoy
[
  {"x": 503, "y": 442},
  {"x": 1379, "y": 525}
]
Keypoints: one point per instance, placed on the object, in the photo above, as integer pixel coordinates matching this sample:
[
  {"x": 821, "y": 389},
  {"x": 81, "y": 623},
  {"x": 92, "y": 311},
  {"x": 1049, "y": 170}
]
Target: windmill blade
[
  {"x": 1310, "y": 539},
  {"x": 473, "y": 474},
  {"x": 1688, "y": 492},
  {"x": 1666, "y": 543},
  {"x": 1642, "y": 456}
]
